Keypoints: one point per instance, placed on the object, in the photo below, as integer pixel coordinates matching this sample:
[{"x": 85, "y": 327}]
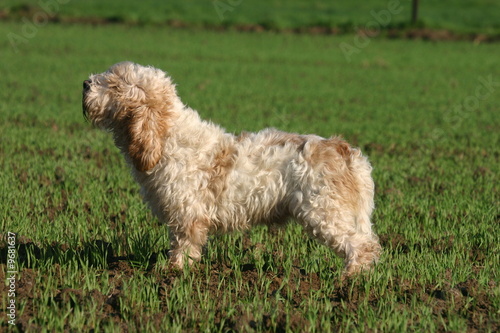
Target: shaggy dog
[{"x": 199, "y": 179}]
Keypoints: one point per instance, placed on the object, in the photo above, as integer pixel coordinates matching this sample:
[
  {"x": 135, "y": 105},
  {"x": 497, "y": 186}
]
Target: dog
[{"x": 199, "y": 180}]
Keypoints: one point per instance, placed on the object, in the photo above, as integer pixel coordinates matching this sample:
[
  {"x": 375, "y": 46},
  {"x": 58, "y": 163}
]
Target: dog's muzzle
[
  {"x": 86, "y": 85},
  {"x": 86, "y": 88}
]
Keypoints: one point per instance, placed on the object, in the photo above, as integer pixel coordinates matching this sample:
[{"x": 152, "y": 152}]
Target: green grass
[
  {"x": 464, "y": 16},
  {"x": 87, "y": 245}
]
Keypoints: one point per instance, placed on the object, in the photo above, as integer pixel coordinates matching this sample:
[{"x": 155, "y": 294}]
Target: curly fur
[{"x": 199, "y": 179}]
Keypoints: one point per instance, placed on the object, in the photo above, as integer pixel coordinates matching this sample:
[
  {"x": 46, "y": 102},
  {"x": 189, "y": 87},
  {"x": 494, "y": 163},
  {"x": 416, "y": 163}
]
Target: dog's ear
[{"x": 146, "y": 130}]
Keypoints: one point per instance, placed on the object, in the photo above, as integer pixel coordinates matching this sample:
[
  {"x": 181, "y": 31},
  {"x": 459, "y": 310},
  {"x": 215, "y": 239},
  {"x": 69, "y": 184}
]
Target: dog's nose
[{"x": 86, "y": 84}]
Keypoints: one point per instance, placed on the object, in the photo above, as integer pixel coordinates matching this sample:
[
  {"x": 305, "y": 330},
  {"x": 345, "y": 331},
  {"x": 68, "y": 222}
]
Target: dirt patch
[
  {"x": 243, "y": 321},
  {"x": 441, "y": 35},
  {"x": 397, "y": 243}
]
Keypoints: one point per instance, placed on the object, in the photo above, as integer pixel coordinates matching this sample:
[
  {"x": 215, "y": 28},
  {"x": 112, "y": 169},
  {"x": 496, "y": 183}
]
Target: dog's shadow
[
  {"x": 28, "y": 254},
  {"x": 97, "y": 254}
]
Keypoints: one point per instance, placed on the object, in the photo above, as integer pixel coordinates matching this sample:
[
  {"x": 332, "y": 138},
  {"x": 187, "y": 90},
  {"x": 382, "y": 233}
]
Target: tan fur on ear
[{"x": 146, "y": 131}]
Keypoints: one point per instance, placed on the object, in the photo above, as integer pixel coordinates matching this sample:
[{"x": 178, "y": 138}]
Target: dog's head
[{"x": 135, "y": 103}]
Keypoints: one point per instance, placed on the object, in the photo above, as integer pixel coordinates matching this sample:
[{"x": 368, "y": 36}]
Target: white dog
[{"x": 199, "y": 179}]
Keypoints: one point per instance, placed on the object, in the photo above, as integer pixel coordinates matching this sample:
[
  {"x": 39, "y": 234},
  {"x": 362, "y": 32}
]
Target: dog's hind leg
[{"x": 354, "y": 242}]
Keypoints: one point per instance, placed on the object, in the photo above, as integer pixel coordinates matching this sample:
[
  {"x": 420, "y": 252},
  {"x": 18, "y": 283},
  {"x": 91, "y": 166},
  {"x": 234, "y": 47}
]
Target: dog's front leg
[{"x": 187, "y": 241}]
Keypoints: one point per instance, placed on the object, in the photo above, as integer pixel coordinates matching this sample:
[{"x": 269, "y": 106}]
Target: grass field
[
  {"x": 462, "y": 16},
  {"x": 425, "y": 113}
]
